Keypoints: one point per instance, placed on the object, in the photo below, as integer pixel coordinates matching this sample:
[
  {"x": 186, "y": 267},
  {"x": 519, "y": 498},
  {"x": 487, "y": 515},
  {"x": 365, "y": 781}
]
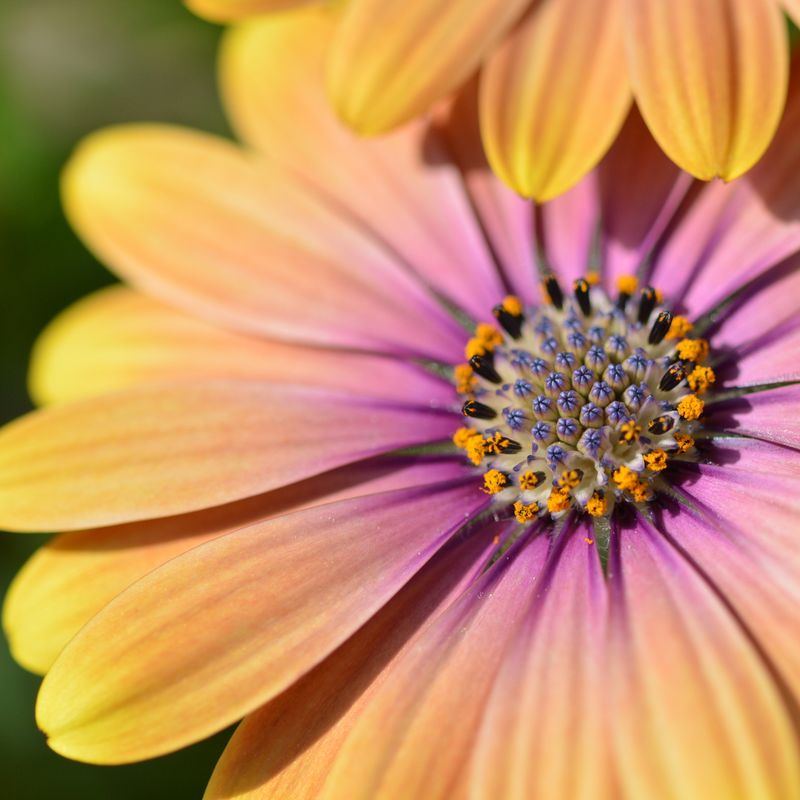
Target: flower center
[{"x": 583, "y": 402}]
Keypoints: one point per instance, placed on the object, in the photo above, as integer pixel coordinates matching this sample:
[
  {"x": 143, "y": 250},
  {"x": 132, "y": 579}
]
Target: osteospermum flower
[
  {"x": 557, "y": 76},
  {"x": 592, "y": 592}
]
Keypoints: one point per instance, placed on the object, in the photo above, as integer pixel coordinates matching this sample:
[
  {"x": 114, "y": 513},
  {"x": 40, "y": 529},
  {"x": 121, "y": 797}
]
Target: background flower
[
  {"x": 557, "y": 76},
  {"x": 687, "y": 594}
]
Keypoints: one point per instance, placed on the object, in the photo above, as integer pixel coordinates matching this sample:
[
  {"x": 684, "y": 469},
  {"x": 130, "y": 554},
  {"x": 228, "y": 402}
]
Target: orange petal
[
  {"x": 401, "y": 189},
  {"x": 549, "y": 691},
  {"x": 696, "y": 711},
  {"x": 417, "y": 730},
  {"x": 792, "y": 8},
  {"x": 554, "y": 95},
  {"x": 167, "y": 449},
  {"x": 227, "y": 10},
  {"x": 247, "y": 615},
  {"x": 200, "y": 223},
  {"x": 710, "y": 79},
  {"x": 286, "y": 748},
  {"x": 71, "y": 578},
  {"x": 390, "y": 61},
  {"x": 117, "y": 338}
]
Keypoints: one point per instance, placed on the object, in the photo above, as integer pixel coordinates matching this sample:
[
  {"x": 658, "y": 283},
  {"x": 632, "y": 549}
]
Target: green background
[{"x": 68, "y": 67}]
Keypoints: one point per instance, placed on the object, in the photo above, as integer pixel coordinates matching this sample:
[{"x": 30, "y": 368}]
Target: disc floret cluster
[{"x": 583, "y": 402}]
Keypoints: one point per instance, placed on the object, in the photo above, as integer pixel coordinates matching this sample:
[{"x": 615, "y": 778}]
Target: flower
[
  {"x": 249, "y": 453},
  {"x": 557, "y": 76}
]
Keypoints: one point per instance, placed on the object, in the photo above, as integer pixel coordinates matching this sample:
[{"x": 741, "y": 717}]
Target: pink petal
[
  {"x": 545, "y": 729},
  {"x": 400, "y": 190},
  {"x": 696, "y": 711},
  {"x": 287, "y": 747},
  {"x": 238, "y": 239},
  {"x": 506, "y": 218},
  {"x": 769, "y": 415},
  {"x": 413, "y": 737},
  {"x": 166, "y": 449},
  {"x": 73, "y": 576},
  {"x": 248, "y": 614}
]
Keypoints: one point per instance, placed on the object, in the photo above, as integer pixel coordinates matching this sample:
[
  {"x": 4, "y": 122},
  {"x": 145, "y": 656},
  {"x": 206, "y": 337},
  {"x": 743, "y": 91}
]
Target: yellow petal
[
  {"x": 554, "y": 95},
  {"x": 710, "y": 79},
  {"x": 117, "y": 338},
  {"x": 168, "y": 449},
  {"x": 271, "y": 76},
  {"x": 793, "y": 9},
  {"x": 390, "y": 61},
  {"x": 226, "y": 10},
  {"x": 219, "y": 631},
  {"x": 75, "y": 575}
]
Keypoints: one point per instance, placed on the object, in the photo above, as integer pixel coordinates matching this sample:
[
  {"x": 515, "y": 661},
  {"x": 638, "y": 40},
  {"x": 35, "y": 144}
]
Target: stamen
[
  {"x": 581, "y": 290},
  {"x": 626, "y": 286},
  {"x": 700, "y": 379},
  {"x": 660, "y": 328},
  {"x": 679, "y": 328},
  {"x": 582, "y": 417},
  {"x": 494, "y": 481},
  {"x": 484, "y": 366},
  {"x": 552, "y": 290},
  {"x": 672, "y": 377},
  {"x": 646, "y": 304},
  {"x": 476, "y": 410},
  {"x": 597, "y": 505},
  {"x": 509, "y": 316},
  {"x": 465, "y": 379},
  {"x": 525, "y": 513},
  {"x": 656, "y": 460},
  {"x": 691, "y": 407},
  {"x": 692, "y": 349}
]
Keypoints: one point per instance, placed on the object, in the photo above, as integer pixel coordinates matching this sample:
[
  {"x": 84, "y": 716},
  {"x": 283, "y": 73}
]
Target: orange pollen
[
  {"x": 691, "y": 407},
  {"x": 513, "y": 305},
  {"x": 631, "y": 431},
  {"x": 494, "y": 481},
  {"x": 489, "y": 335},
  {"x": 627, "y": 284},
  {"x": 625, "y": 478},
  {"x": 570, "y": 479},
  {"x": 463, "y": 436},
  {"x": 528, "y": 480},
  {"x": 476, "y": 449},
  {"x": 475, "y": 347},
  {"x": 525, "y": 513},
  {"x": 679, "y": 327},
  {"x": 558, "y": 501},
  {"x": 641, "y": 492},
  {"x": 656, "y": 460},
  {"x": 700, "y": 379},
  {"x": 692, "y": 349},
  {"x": 465, "y": 379},
  {"x": 684, "y": 442},
  {"x": 592, "y": 278},
  {"x": 495, "y": 444},
  {"x": 597, "y": 506}
]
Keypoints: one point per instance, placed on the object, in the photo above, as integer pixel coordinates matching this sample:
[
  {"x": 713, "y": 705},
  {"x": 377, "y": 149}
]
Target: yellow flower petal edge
[
  {"x": 710, "y": 79},
  {"x": 390, "y": 61},
  {"x": 554, "y": 95},
  {"x": 228, "y": 10}
]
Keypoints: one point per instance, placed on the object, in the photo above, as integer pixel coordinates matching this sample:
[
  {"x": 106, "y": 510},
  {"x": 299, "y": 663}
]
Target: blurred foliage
[{"x": 68, "y": 67}]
